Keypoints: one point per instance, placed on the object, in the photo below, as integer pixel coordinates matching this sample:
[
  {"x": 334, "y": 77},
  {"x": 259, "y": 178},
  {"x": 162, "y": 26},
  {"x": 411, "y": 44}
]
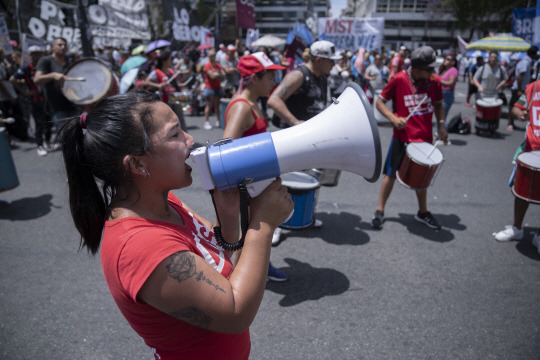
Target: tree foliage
[{"x": 484, "y": 15}]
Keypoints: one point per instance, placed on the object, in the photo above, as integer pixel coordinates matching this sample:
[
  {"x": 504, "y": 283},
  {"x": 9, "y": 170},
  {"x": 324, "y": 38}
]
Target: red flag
[{"x": 245, "y": 14}]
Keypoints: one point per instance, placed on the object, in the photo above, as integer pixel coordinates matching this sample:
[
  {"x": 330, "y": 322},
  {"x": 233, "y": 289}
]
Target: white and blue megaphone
[{"x": 343, "y": 137}]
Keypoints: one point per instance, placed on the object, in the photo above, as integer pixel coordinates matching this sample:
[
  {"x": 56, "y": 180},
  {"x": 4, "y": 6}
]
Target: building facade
[
  {"x": 279, "y": 16},
  {"x": 408, "y": 22}
]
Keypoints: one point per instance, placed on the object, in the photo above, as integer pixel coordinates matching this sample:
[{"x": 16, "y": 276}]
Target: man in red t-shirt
[
  {"x": 407, "y": 89},
  {"x": 526, "y": 108},
  {"x": 397, "y": 62}
]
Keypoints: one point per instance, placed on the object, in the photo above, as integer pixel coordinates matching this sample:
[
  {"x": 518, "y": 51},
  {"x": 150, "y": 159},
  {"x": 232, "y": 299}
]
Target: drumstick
[
  {"x": 75, "y": 79},
  {"x": 437, "y": 143},
  {"x": 173, "y": 77},
  {"x": 416, "y": 108}
]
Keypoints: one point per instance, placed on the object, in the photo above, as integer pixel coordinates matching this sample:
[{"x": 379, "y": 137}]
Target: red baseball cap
[{"x": 259, "y": 61}]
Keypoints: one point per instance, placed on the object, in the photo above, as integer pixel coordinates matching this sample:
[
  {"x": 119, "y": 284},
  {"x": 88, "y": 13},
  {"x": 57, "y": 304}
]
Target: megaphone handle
[
  {"x": 244, "y": 221},
  {"x": 256, "y": 188}
]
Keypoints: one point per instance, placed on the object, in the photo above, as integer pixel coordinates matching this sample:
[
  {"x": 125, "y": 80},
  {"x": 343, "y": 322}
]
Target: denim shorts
[
  {"x": 212, "y": 92},
  {"x": 394, "y": 157}
]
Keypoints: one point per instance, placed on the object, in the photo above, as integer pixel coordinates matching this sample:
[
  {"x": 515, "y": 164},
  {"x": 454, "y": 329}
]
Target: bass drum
[
  {"x": 527, "y": 181},
  {"x": 419, "y": 165},
  {"x": 303, "y": 189},
  {"x": 89, "y": 81}
]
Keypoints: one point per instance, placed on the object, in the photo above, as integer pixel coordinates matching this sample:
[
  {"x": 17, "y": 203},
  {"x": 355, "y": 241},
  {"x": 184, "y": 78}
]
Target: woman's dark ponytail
[
  {"x": 94, "y": 147},
  {"x": 87, "y": 205}
]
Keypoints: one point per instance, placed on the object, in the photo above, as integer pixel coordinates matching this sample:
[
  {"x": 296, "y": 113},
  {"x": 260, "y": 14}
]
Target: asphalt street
[{"x": 404, "y": 292}]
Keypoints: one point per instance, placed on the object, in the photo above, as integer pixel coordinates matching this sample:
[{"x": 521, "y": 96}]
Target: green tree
[{"x": 484, "y": 15}]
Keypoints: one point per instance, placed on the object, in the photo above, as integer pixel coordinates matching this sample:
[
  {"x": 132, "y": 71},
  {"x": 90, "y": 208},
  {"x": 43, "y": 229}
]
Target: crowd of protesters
[{"x": 206, "y": 76}]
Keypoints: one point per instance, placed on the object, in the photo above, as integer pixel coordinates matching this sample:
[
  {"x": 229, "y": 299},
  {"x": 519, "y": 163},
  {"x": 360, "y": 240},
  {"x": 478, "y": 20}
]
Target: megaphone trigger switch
[{"x": 222, "y": 141}]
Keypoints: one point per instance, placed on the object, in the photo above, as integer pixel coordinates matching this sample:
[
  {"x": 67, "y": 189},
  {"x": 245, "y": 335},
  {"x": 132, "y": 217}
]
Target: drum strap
[
  {"x": 532, "y": 96},
  {"x": 244, "y": 220}
]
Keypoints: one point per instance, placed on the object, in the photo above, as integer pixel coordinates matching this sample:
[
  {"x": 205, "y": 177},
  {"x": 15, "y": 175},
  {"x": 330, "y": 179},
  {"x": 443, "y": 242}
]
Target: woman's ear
[{"x": 133, "y": 164}]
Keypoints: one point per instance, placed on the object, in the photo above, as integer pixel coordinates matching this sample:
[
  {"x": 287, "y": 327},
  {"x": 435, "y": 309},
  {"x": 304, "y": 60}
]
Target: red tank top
[
  {"x": 163, "y": 77},
  {"x": 258, "y": 127}
]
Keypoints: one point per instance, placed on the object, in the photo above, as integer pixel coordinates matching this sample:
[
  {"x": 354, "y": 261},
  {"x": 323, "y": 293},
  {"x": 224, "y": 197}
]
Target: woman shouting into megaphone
[{"x": 172, "y": 281}]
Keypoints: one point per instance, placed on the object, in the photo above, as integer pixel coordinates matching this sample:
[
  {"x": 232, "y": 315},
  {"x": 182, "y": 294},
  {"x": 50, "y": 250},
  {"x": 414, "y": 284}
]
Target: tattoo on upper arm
[
  {"x": 287, "y": 83},
  {"x": 193, "y": 316},
  {"x": 182, "y": 267}
]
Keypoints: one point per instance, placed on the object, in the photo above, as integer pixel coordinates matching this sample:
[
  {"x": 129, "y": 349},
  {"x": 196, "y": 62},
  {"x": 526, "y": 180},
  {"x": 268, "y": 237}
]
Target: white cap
[
  {"x": 324, "y": 49},
  {"x": 34, "y": 49}
]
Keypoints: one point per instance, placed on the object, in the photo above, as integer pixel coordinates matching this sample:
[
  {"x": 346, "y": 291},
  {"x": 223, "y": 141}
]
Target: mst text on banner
[{"x": 353, "y": 33}]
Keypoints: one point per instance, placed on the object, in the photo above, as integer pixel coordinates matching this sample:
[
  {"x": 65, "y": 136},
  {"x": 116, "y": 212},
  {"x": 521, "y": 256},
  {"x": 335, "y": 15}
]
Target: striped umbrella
[{"x": 500, "y": 42}]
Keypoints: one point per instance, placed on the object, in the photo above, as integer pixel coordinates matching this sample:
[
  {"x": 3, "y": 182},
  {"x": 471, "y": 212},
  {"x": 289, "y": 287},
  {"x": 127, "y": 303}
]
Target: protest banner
[
  {"x": 353, "y": 33},
  {"x": 522, "y": 23},
  {"x": 245, "y": 14},
  {"x": 183, "y": 23},
  {"x": 111, "y": 23}
]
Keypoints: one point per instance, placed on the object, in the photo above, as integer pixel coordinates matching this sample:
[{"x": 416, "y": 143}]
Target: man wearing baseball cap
[
  {"x": 396, "y": 65},
  {"x": 416, "y": 94},
  {"x": 302, "y": 93},
  {"x": 232, "y": 76}
]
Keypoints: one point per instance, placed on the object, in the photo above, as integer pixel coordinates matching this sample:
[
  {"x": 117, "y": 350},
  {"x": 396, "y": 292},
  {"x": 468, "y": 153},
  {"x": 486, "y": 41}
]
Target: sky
[{"x": 336, "y": 6}]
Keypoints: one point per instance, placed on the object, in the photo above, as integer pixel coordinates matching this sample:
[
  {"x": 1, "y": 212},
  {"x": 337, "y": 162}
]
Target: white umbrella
[
  {"x": 128, "y": 79},
  {"x": 269, "y": 41}
]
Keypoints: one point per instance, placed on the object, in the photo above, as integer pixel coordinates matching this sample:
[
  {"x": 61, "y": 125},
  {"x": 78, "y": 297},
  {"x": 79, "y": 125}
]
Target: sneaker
[
  {"x": 51, "y": 147},
  {"x": 277, "y": 236},
  {"x": 317, "y": 224},
  {"x": 467, "y": 104},
  {"x": 207, "y": 126},
  {"x": 218, "y": 124},
  {"x": 510, "y": 127},
  {"x": 536, "y": 241},
  {"x": 378, "y": 219},
  {"x": 510, "y": 232},
  {"x": 276, "y": 274},
  {"x": 41, "y": 151},
  {"x": 427, "y": 219}
]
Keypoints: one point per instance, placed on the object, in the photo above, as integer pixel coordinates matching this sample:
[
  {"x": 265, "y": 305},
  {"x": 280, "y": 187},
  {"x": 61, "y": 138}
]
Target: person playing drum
[
  {"x": 407, "y": 89},
  {"x": 50, "y": 74},
  {"x": 526, "y": 108}
]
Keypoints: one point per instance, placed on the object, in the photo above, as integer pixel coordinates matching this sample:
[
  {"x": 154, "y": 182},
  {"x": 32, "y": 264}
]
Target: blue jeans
[{"x": 448, "y": 100}]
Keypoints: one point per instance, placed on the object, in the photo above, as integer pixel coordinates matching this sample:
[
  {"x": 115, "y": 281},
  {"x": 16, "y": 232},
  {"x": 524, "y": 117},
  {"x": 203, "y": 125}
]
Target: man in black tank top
[{"x": 302, "y": 93}]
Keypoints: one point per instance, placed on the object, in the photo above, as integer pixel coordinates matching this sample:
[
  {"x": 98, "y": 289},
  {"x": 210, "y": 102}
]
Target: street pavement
[{"x": 404, "y": 292}]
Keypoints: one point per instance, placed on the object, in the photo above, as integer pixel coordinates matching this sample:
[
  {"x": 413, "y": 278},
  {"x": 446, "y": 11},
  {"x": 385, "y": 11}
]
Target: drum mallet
[
  {"x": 434, "y": 147},
  {"x": 74, "y": 79}
]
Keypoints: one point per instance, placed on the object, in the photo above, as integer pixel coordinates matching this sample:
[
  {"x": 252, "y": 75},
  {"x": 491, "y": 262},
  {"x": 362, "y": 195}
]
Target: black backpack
[
  {"x": 459, "y": 125},
  {"x": 453, "y": 125}
]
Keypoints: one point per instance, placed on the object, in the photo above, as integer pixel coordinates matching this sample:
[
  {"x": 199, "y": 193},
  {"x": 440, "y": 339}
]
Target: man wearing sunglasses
[{"x": 416, "y": 94}]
